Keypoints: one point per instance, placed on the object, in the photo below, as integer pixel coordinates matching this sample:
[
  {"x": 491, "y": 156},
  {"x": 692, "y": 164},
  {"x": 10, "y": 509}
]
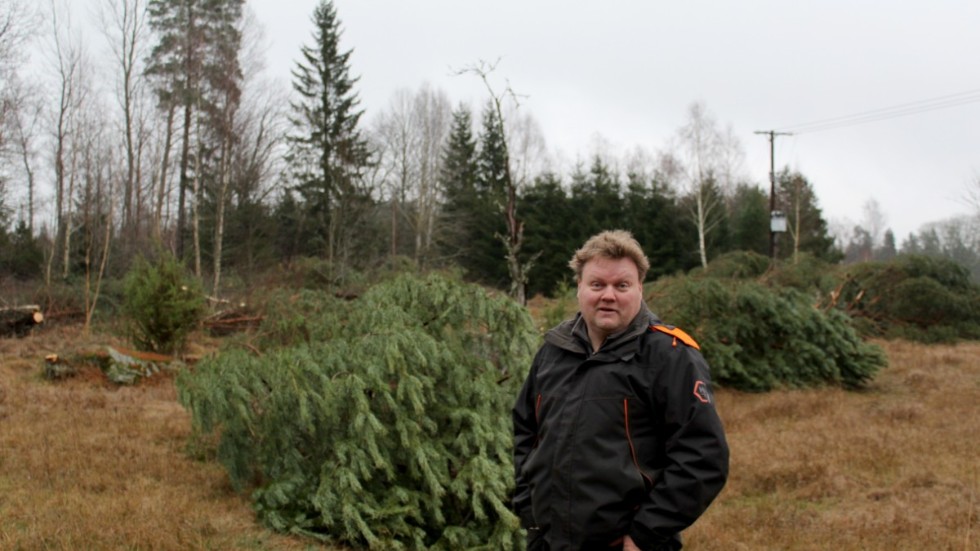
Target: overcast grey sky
[{"x": 627, "y": 70}]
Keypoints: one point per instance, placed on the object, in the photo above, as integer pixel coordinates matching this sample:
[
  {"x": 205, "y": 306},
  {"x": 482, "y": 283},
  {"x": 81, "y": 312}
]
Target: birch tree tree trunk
[{"x": 704, "y": 149}]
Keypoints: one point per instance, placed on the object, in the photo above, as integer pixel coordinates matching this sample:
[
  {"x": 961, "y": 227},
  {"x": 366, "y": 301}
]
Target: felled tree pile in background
[
  {"x": 382, "y": 421},
  {"x": 927, "y": 299},
  {"x": 758, "y": 337}
]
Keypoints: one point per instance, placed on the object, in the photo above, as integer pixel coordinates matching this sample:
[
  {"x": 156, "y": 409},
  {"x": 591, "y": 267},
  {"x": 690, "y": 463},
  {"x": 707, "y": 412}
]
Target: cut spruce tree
[{"x": 385, "y": 423}]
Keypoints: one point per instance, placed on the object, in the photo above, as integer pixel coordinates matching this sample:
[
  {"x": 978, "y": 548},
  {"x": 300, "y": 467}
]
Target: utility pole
[{"x": 772, "y": 186}]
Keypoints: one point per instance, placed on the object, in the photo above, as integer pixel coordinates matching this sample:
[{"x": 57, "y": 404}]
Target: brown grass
[
  {"x": 892, "y": 467},
  {"x": 87, "y": 465}
]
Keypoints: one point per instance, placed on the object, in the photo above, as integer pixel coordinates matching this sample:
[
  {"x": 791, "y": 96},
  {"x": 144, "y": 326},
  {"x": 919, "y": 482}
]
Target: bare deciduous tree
[
  {"x": 68, "y": 60},
  {"x": 24, "y": 123},
  {"x": 16, "y": 24},
  {"x": 972, "y": 194},
  {"x": 526, "y": 146},
  {"x": 410, "y": 135},
  {"x": 514, "y": 240},
  {"x": 96, "y": 203},
  {"x": 874, "y": 221},
  {"x": 125, "y": 26}
]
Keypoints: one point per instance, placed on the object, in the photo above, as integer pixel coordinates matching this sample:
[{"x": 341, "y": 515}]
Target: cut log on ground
[
  {"x": 17, "y": 321},
  {"x": 231, "y": 321}
]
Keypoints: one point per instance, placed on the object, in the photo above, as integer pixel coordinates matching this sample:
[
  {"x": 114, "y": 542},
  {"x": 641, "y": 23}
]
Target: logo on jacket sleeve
[{"x": 702, "y": 392}]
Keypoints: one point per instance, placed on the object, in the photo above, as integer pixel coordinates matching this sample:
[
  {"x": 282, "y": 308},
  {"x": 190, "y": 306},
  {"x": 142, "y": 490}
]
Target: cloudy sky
[{"x": 623, "y": 73}]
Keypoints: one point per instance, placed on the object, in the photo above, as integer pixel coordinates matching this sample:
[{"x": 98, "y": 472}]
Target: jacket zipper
[
  {"x": 537, "y": 421},
  {"x": 626, "y": 420}
]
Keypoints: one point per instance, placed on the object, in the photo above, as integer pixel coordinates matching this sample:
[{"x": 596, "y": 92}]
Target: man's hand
[{"x": 628, "y": 544}]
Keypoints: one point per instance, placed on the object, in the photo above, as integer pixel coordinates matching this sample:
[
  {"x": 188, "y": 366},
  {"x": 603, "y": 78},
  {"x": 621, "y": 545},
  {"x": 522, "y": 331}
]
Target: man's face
[{"x": 609, "y": 295}]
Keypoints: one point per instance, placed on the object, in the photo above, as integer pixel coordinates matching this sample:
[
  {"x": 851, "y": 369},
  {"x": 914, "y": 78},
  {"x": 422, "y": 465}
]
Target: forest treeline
[{"x": 174, "y": 141}]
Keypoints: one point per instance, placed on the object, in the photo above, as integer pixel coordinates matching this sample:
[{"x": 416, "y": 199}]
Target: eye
[{"x": 624, "y": 286}]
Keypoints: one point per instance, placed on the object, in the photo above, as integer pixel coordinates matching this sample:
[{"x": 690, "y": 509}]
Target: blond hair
[{"x": 612, "y": 244}]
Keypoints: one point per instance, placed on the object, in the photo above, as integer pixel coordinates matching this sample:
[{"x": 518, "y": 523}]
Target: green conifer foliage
[
  {"x": 392, "y": 432},
  {"x": 921, "y": 298},
  {"x": 162, "y": 303},
  {"x": 757, "y": 338}
]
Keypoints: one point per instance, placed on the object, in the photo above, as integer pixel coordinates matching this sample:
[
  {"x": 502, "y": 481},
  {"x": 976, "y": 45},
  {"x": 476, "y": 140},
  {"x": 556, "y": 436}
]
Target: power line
[{"x": 874, "y": 115}]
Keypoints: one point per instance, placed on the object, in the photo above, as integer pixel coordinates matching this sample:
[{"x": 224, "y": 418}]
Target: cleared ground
[{"x": 88, "y": 465}]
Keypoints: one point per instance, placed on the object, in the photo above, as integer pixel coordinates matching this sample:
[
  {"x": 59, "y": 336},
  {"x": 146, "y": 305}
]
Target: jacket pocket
[{"x": 647, "y": 478}]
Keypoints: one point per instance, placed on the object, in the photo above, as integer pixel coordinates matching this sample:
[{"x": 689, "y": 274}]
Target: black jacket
[{"x": 623, "y": 441}]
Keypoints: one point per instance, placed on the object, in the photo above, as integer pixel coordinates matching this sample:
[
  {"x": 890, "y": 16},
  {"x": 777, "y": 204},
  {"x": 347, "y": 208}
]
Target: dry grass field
[
  {"x": 88, "y": 465},
  {"x": 894, "y": 467}
]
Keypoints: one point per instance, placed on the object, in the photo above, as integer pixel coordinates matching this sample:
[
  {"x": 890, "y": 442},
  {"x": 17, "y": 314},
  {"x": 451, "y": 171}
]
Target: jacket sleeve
[
  {"x": 695, "y": 461},
  {"x": 525, "y": 437}
]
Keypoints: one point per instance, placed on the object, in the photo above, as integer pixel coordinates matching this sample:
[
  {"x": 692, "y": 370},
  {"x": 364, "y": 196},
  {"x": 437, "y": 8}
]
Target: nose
[{"x": 607, "y": 294}]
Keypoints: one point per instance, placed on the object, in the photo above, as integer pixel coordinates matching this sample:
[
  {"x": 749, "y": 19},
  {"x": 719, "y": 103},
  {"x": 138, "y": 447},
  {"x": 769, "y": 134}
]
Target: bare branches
[
  {"x": 972, "y": 194},
  {"x": 711, "y": 156},
  {"x": 483, "y": 69},
  {"x": 514, "y": 240}
]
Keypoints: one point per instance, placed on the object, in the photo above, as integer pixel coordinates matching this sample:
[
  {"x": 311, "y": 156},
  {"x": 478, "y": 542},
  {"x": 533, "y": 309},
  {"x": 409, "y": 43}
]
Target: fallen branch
[{"x": 232, "y": 321}]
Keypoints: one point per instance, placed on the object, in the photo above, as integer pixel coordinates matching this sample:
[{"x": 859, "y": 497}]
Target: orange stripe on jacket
[{"x": 678, "y": 334}]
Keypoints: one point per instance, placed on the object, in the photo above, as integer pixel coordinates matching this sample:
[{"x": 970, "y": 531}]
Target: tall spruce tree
[
  {"x": 598, "y": 195},
  {"x": 457, "y": 180},
  {"x": 327, "y": 152},
  {"x": 484, "y": 259}
]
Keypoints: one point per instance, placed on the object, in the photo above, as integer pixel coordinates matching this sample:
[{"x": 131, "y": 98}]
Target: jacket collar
[{"x": 573, "y": 335}]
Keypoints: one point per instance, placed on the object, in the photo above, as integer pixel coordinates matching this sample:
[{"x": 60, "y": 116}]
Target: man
[{"x": 617, "y": 441}]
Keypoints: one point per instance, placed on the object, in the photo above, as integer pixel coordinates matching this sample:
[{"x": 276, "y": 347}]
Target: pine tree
[
  {"x": 195, "y": 66},
  {"x": 328, "y": 154}
]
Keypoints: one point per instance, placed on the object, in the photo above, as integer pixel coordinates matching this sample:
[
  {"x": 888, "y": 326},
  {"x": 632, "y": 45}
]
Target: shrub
[
  {"x": 162, "y": 303},
  {"x": 806, "y": 273},
  {"x": 920, "y": 298},
  {"x": 386, "y": 425},
  {"x": 737, "y": 264},
  {"x": 756, "y": 338}
]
